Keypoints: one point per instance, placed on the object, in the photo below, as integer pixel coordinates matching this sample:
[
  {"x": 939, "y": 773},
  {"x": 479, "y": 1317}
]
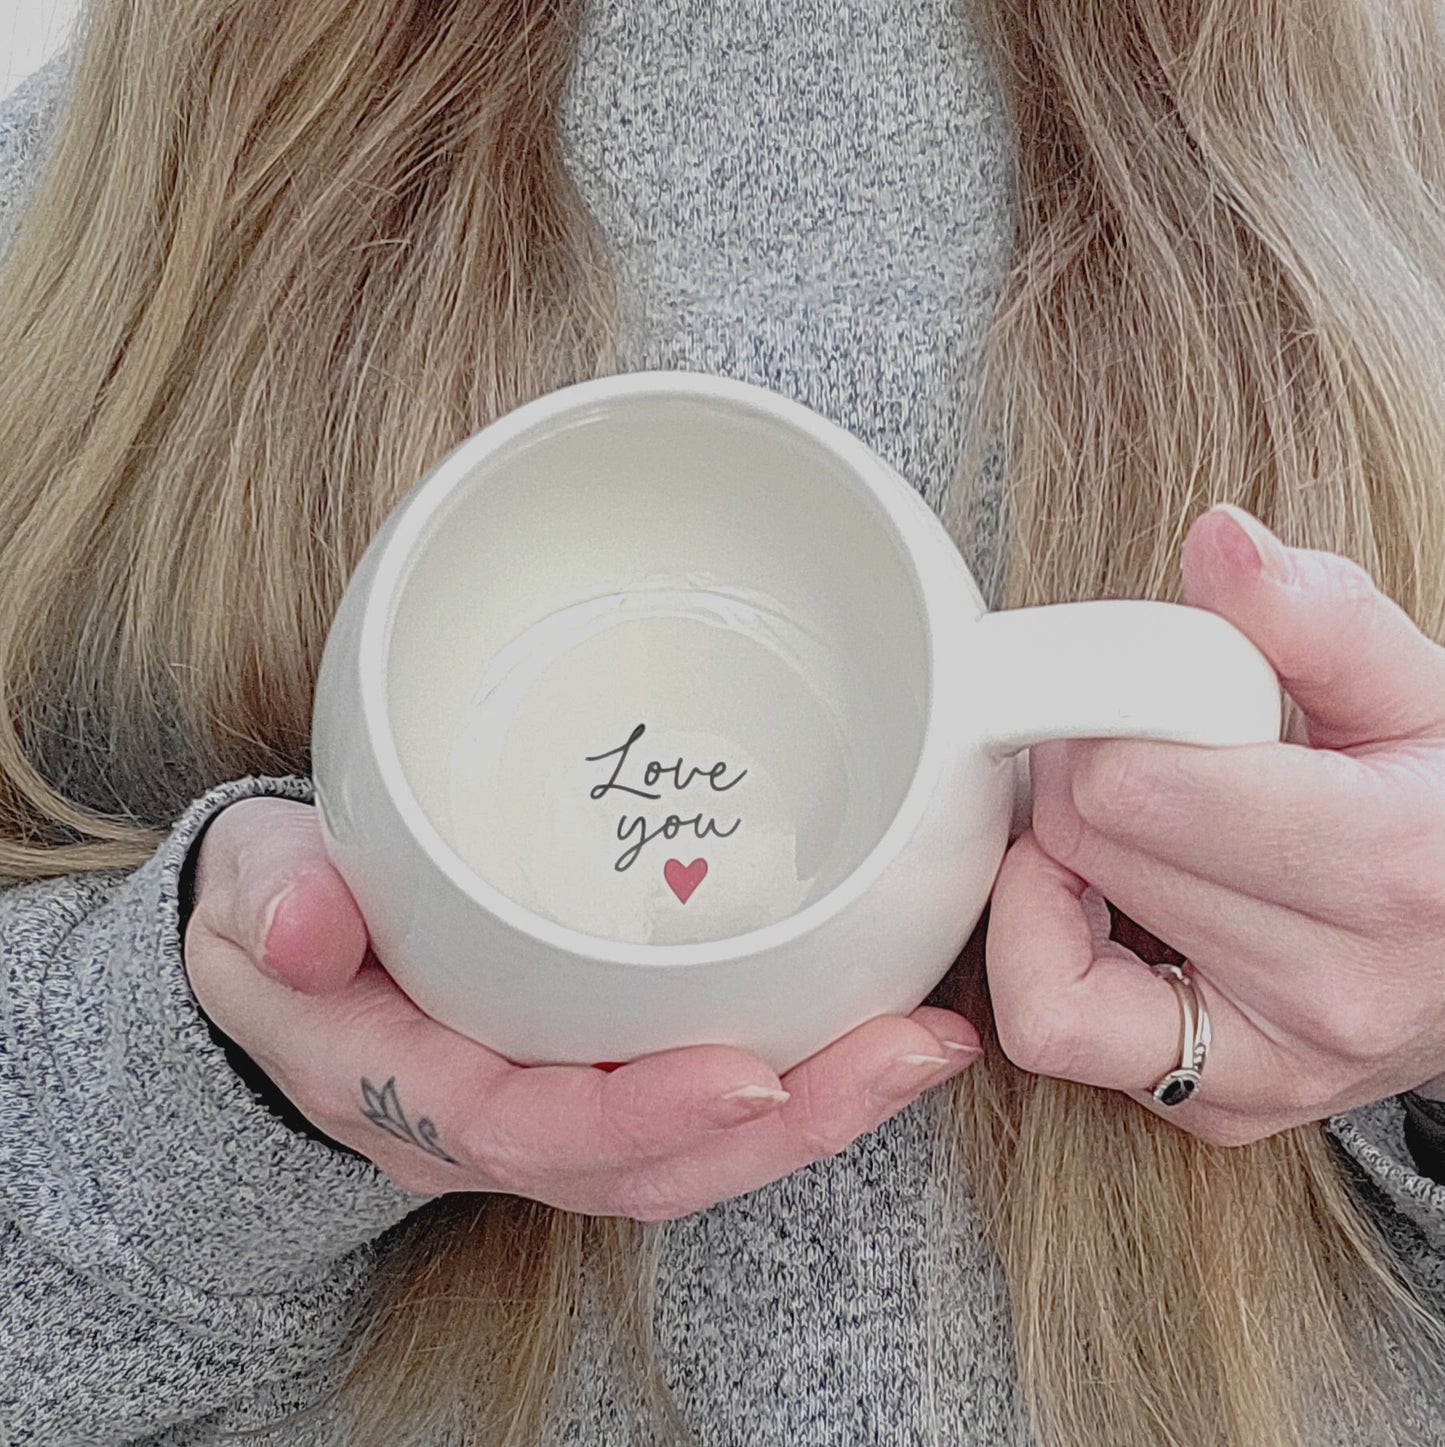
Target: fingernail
[
  {"x": 1250, "y": 545},
  {"x": 268, "y": 918},
  {"x": 909, "y": 1073},
  {"x": 959, "y": 1048},
  {"x": 749, "y": 1102}
]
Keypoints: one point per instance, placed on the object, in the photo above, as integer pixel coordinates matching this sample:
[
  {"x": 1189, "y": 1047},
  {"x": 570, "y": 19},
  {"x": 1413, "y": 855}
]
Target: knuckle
[
  {"x": 1347, "y": 1024},
  {"x": 199, "y": 956},
  {"x": 629, "y": 1116},
  {"x": 821, "y": 1140},
  {"x": 820, "y": 1131},
  {"x": 1350, "y": 595},
  {"x": 222, "y": 838},
  {"x": 1353, "y": 587},
  {"x": 1117, "y": 784},
  {"x": 1041, "y": 1038},
  {"x": 649, "y": 1196},
  {"x": 629, "y": 1113},
  {"x": 1057, "y": 825},
  {"x": 244, "y": 834}
]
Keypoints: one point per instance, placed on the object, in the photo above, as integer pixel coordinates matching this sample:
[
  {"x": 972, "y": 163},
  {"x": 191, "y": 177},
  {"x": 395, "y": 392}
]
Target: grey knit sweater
[{"x": 812, "y": 195}]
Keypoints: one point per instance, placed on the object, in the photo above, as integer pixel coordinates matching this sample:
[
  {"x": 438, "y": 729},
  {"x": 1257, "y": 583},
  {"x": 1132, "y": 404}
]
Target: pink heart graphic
[{"x": 684, "y": 878}]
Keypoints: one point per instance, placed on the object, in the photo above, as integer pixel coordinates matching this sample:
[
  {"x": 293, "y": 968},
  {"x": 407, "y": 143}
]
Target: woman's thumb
[
  {"x": 264, "y": 882},
  {"x": 1357, "y": 666}
]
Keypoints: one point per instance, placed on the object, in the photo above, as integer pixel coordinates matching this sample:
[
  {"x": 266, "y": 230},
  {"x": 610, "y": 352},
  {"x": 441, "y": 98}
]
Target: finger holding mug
[
  {"x": 1304, "y": 882},
  {"x": 278, "y": 956}
]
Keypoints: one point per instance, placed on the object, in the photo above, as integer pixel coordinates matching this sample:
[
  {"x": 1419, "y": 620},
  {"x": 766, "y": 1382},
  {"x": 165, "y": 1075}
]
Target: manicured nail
[
  {"x": 959, "y": 1048},
  {"x": 1249, "y": 544},
  {"x": 268, "y": 917},
  {"x": 749, "y": 1102},
  {"x": 907, "y": 1074}
]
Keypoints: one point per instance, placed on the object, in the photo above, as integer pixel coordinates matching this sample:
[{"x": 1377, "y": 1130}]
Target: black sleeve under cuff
[
  {"x": 1425, "y": 1134},
  {"x": 260, "y": 1084}
]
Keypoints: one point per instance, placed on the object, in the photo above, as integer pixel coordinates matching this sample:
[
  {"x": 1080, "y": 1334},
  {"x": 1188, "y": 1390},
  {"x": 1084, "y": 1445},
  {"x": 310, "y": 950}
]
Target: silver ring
[{"x": 1182, "y": 1083}]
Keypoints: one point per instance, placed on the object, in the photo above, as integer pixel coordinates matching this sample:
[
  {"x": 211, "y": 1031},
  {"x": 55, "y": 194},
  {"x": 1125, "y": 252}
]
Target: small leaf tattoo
[{"x": 384, "y": 1109}]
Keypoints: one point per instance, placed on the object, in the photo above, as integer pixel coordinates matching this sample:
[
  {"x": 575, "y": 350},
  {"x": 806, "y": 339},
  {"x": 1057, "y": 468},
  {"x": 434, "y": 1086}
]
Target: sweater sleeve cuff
[
  {"x": 150, "y": 1161},
  {"x": 1373, "y": 1137},
  {"x": 256, "y": 1080}
]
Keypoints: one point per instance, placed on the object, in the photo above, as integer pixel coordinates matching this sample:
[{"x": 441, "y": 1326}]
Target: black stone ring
[{"x": 1182, "y": 1083}]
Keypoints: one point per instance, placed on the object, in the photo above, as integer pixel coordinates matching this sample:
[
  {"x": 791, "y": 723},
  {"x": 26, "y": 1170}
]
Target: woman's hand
[
  {"x": 1306, "y": 884},
  {"x": 277, "y": 955}
]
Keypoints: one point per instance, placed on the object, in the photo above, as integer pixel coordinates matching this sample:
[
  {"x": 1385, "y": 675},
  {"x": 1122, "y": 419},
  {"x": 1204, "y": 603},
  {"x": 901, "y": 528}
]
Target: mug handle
[{"x": 1121, "y": 668}]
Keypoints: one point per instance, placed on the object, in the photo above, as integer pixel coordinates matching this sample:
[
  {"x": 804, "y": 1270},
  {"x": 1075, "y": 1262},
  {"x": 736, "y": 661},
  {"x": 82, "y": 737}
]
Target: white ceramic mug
[{"x": 663, "y": 711}]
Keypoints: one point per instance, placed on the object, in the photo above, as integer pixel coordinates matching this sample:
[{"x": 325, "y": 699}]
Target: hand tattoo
[{"x": 384, "y": 1109}]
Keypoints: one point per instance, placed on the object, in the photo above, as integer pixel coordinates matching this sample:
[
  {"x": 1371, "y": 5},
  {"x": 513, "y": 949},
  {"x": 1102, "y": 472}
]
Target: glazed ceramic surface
[{"x": 662, "y": 711}]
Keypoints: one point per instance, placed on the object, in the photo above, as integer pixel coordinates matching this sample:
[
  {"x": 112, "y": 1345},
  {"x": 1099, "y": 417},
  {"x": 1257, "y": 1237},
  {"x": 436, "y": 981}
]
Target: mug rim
[{"x": 894, "y": 502}]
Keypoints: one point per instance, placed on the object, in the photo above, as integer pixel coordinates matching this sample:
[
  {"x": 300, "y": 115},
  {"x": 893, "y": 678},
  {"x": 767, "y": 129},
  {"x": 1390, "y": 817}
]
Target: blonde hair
[{"x": 282, "y": 258}]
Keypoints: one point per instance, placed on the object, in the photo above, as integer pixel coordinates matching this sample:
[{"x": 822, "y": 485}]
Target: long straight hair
[{"x": 283, "y": 258}]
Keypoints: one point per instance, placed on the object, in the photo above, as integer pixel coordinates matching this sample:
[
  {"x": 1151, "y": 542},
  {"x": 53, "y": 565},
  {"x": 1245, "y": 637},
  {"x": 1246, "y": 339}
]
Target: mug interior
[{"x": 657, "y": 668}]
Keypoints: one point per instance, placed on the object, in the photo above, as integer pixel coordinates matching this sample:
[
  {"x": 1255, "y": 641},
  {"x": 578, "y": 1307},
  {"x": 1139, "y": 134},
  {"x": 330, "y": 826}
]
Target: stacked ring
[{"x": 1182, "y": 1083}]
